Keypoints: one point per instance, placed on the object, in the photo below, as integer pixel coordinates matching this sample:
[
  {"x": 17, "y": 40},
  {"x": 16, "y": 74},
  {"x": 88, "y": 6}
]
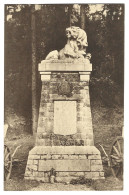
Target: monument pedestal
[
  {"x": 64, "y": 141},
  {"x": 69, "y": 162}
]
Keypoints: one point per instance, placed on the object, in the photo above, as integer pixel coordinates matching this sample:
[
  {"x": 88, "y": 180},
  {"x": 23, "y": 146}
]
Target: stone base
[{"x": 69, "y": 162}]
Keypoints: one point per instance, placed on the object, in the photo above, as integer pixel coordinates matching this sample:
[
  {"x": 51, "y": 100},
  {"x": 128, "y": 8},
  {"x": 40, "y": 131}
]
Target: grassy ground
[
  {"x": 109, "y": 184},
  {"x": 107, "y": 123}
]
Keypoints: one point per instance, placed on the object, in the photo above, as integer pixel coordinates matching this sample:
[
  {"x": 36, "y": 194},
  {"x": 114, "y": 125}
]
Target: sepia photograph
[{"x": 64, "y": 97}]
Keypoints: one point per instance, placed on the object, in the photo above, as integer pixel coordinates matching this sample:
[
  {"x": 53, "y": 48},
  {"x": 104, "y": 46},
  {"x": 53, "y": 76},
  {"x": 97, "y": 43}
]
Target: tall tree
[
  {"x": 34, "y": 73},
  {"x": 83, "y": 16}
]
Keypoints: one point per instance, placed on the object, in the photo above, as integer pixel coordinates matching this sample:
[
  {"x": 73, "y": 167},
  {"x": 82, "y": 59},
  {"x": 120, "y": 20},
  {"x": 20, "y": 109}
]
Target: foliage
[
  {"x": 105, "y": 91},
  {"x": 51, "y": 23},
  {"x": 107, "y": 43},
  {"x": 81, "y": 180},
  {"x": 18, "y": 62}
]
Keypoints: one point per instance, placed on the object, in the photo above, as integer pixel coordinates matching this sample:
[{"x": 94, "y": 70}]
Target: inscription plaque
[
  {"x": 65, "y": 117},
  {"x": 65, "y": 165}
]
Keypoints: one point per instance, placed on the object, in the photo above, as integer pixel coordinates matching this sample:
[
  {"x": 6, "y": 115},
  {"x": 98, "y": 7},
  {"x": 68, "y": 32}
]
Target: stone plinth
[
  {"x": 64, "y": 139},
  {"x": 65, "y": 65},
  {"x": 69, "y": 163}
]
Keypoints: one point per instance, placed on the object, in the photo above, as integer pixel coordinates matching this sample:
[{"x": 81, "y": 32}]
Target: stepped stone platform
[{"x": 69, "y": 162}]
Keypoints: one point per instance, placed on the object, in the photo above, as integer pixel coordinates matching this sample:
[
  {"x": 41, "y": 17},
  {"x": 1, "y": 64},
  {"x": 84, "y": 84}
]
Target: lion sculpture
[{"x": 75, "y": 47}]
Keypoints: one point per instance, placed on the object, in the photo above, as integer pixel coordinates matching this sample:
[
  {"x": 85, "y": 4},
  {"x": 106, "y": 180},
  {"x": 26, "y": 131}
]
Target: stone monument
[{"x": 64, "y": 147}]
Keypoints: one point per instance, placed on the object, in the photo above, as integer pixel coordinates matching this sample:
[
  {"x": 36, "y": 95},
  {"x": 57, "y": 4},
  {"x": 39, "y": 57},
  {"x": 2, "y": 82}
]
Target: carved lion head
[{"x": 77, "y": 34}]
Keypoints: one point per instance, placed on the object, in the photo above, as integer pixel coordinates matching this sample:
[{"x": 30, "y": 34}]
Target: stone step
[{"x": 64, "y": 150}]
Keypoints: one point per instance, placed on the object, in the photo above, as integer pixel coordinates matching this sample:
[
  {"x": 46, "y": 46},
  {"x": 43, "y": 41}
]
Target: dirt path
[{"x": 61, "y": 187}]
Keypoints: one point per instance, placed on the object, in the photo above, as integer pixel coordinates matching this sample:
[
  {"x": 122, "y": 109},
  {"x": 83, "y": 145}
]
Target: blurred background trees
[{"x": 104, "y": 25}]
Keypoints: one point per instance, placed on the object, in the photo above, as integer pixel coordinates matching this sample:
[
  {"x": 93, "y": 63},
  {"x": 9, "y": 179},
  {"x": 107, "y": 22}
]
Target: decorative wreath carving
[{"x": 65, "y": 88}]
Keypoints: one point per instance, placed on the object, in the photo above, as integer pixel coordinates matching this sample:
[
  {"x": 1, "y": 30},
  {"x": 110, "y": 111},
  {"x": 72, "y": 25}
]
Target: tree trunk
[
  {"x": 83, "y": 17},
  {"x": 34, "y": 75},
  {"x": 69, "y": 13}
]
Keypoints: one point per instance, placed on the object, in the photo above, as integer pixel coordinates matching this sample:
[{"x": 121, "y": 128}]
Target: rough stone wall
[{"x": 66, "y": 87}]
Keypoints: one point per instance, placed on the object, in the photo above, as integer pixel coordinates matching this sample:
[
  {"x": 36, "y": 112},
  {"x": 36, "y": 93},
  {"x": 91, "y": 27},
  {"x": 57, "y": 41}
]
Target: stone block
[
  {"x": 95, "y": 174},
  {"x": 79, "y": 118},
  {"x": 76, "y": 96},
  {"x": 41, "y": 174},
  {"x": 62, "y": 174},
  {"x": 101, "y": 174},
  {"x": 94, "y": 157},
  {"x": 33, "y": 167},
  {"x": 76, "y": 174},
  {"x": 47, "y": 174},
  {"x": 96, "y": 168},
  {"x": 96, "y": 162},
  {"x": 73, "y": 156},
  {"x": 28, "y": 173},
  {"x": 42, "y": 114},
  {"x": 90, "y": 142},
  {"x": 65, "y": 156},
  {"x": 54, "y": 96},
  {"x": 82, "y": 157},
  {"x": 60, "y": 156},
  {"x": 44, "y": 157},
  {"x": 49, "y": 105},
  {"x": 88, "y": 175},
  {"x": 39, "y": 135},
  {"x": 29, "y": 162},
  {"x": 34, "y": 157},
  {"x": 35, "y": 173},
  {"x": 55, "y": 157},
  {"x": 49, "y": 156},
  {"x": 49, "y": 114},
  {"x": 82, "y": 136},
  {"x": 39, "y": 130},
  {"x": 35, "y": 162},
  {"x": 79, "y": 127},
  {"x": 50, "y": 109},
  {"x": 89, "y": 135},
  {"x": 45, "y": 77},
  {"x": 50, "y": 125},
  {"x": 85, "y": 78}
]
